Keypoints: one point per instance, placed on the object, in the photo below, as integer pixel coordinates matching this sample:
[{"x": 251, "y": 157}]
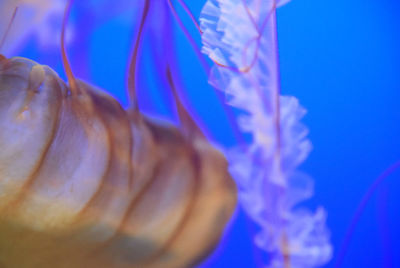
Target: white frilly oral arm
[{"x": 240, "y": 37}]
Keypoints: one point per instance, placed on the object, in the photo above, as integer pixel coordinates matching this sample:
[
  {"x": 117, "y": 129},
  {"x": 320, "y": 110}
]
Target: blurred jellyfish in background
[
  {"x": 38, "y": 18},
  {"x": 240, "y": 38}
]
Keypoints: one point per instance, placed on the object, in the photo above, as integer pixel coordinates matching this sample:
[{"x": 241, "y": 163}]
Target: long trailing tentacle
[
  {"x": 189, "y": 126},
  {"x": 132, "y": 69},
  {"x": 67, "y": 67},
  {"x": 384, "y": 226},
  {"x": 188, "y": 36},
  {"x": 360, "y": 209},
  {"x": 3, "y": 39},
  {"x": 187, "y": 10}
]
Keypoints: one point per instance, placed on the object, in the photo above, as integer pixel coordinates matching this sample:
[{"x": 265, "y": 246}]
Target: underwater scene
[{"x": 199, "y": 133}]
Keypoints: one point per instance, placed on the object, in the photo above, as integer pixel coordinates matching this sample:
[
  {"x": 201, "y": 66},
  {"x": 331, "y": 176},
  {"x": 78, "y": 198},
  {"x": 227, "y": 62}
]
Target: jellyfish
[
  {"x": 239, "y": 38},
  {"x": 86, "y": 183},
  {"x": 265, "y": 172}
]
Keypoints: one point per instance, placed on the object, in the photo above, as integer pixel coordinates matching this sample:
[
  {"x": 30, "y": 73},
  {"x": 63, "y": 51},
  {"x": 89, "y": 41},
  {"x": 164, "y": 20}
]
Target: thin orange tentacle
[
  {"x": 189, "y": 37},
  {"x": 190, "y": 128},
  {"x": 74, "y": 89},
  {"x": 187, "y": 10},
  {"x": 3, "y": 40},
  {"x": 132, "y": 76}
]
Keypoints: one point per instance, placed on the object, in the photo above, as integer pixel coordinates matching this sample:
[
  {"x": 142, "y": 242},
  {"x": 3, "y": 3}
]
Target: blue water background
[{"x": 342, "y": 60}]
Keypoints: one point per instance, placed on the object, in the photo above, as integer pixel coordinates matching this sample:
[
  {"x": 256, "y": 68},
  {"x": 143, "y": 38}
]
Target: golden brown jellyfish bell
[{"x": 84, "y": 183}]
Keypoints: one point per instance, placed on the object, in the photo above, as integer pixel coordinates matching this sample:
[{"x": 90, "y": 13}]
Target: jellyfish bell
[{"x": 86, "y": 183}]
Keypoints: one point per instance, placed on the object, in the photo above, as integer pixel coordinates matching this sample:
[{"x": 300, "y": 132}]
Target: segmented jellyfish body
[{"x": 86, "y": 183}]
